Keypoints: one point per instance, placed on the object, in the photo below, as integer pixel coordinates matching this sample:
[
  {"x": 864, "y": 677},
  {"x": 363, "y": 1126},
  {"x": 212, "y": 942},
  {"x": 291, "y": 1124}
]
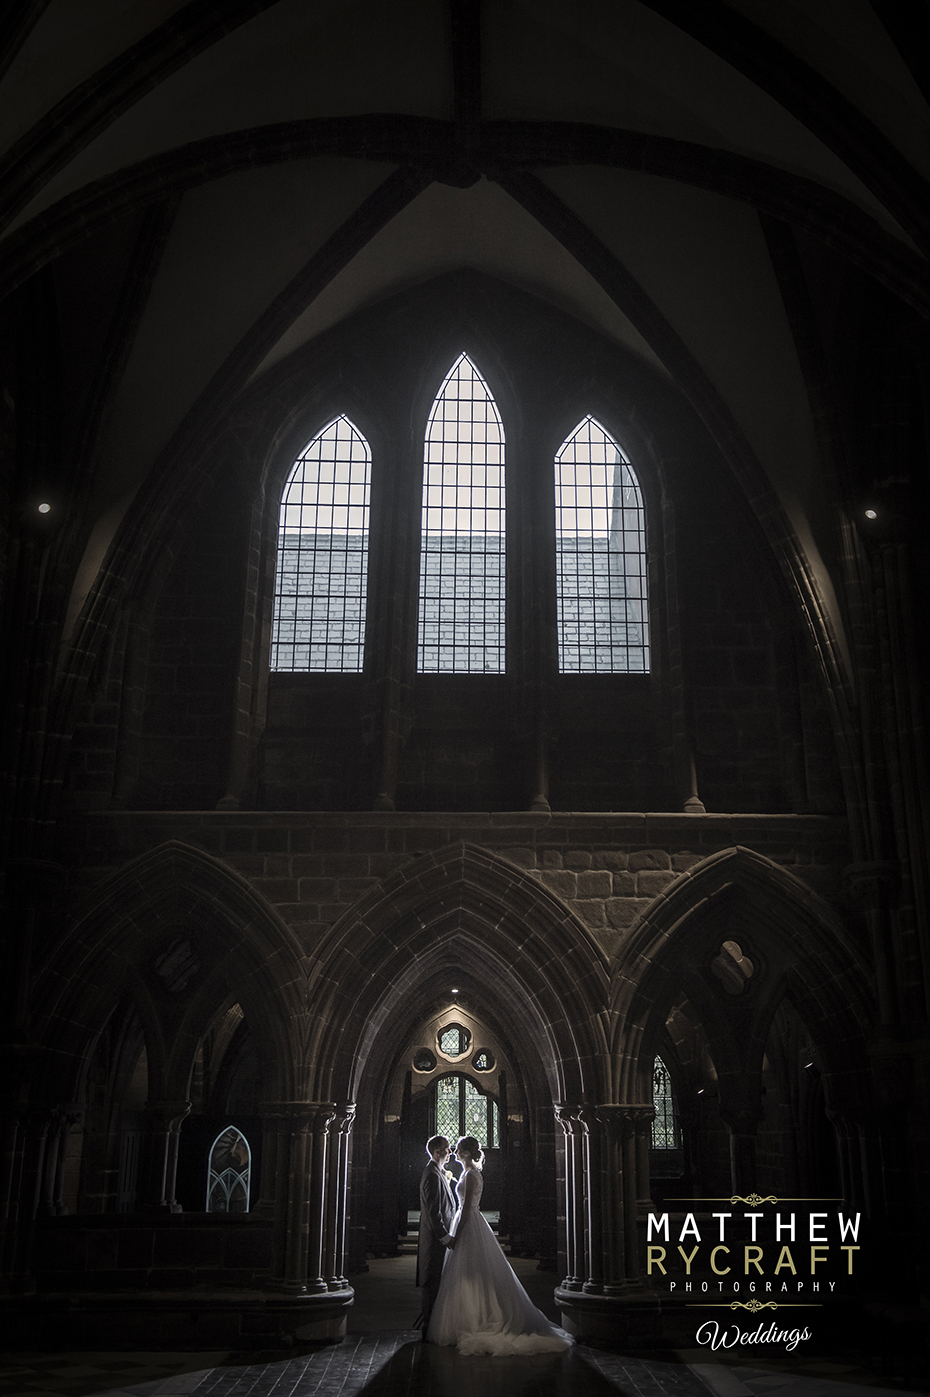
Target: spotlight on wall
[
  {"x": 44, "y": 508},
  {"x": 871, "y": 514},
  {"x": 700, "y": 1091}
]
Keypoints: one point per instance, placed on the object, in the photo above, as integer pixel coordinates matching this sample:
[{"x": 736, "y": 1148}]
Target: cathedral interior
[{"x": 464, "y": 526}]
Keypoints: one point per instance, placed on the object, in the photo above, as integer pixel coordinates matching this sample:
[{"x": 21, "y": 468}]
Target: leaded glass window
[
  {"x": 461, "y": 602},
  {"x": 665, "y": 1124},
  {"x": 600, "y": 557},
  {"x": 462, "y": 1108},
  {"x": 228, "y": 1173},
  {"x": 321, "y": 580},
  {"x": 454, "y": 1040}
]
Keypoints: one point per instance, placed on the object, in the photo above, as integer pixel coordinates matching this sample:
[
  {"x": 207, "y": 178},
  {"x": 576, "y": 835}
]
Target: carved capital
[
  {"x": 872, "y": 884},
  {"x": 568, "y": 1117}
]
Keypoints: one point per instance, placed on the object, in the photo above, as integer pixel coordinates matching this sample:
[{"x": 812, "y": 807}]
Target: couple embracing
[{"x": 471, "y": 1297}]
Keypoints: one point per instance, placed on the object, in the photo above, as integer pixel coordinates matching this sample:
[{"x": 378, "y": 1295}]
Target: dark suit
[{"x": 437, "y": 1209}]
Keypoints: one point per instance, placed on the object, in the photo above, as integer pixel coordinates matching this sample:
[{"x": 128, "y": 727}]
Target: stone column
[
  {"x": 613, "y": 1135},
  {"x": 742, "y": 1123},
  {"x": 594, "y": 1256},
  {"x": 573, "y": 1130},
  {"x": 872, "y": 886},
  {"x": 638, "y": 1130},
  {"x": 336, "y": 1190},
  {"x": 165, "y": 1120},
  {"x": 62, "y": 1120},
  {"x": 302, "y": 1129}
]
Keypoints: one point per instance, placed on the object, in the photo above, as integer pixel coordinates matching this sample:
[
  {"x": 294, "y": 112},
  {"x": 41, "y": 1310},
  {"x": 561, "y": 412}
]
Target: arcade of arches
[{"x": 560, "y": 773}]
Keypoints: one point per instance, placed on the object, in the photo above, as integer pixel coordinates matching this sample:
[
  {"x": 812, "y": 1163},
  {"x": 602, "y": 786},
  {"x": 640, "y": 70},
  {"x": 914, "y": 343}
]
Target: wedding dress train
[{"x": 481, "y": 1306}]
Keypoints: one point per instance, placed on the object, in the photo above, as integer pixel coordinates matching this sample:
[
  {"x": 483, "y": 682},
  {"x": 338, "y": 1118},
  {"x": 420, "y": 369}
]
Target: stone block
[
  {"x": 685, "y": 860},
  {"x": 649, "y": 858},
  {"x": 591, "y": 911},
  {"x": 560, "y": 882},
  {"x": 624, "y": 884},
  {"x": 576, "y": 859},
  {"x": 611, "y": 859},
  {"x": 278, "y": 889},
  {"x": 526, "y": 858},
  {"x": 595, "y": 883},
  {"x": 622, "y": 912},
  {"x": 552, "y": 858},
  {"x": 652, "y": 882}
]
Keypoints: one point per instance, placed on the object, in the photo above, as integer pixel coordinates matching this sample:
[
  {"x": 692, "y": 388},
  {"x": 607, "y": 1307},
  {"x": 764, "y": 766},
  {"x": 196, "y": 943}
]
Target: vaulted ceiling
[{"x": 213, "y": 185}]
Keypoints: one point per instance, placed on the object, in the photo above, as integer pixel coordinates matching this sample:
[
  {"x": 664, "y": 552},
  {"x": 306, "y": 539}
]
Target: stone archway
[
  {"x": 464, "y": 913},
  {"x": 179, "y": 935},
  {"x": 800, "y": 953}
]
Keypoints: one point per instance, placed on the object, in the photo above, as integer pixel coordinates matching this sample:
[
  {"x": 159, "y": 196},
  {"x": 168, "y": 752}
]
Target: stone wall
[{"x": 311, "y": 867}]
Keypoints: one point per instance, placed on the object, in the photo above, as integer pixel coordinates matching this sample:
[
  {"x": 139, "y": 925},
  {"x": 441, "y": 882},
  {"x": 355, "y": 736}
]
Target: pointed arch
[
  {"x": 321, "y": 574},
  {"x": 463, "y": 538},
  {"x": 785, "y": 925},
  {"x": 465, "y": 913},
  {"x": 229, "y": 1169},
  {"x": 172, "y": 909},
  {"x": 600, "y": 528}
]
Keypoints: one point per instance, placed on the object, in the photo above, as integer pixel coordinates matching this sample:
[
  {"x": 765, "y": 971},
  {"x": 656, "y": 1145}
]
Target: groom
[{"x": 437, "y": 1209}]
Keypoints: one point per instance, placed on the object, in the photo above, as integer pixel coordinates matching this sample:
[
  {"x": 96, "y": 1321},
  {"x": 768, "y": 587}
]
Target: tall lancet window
[
  {"x": 461, "y": 618},
  {"x": 600, "y": 557},
  {"x": 665, "y": 1133},
  {"x": 321, "y": 582}
]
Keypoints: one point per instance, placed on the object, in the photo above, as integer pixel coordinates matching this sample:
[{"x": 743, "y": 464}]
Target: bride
[{"x": 481, "y": 1306}]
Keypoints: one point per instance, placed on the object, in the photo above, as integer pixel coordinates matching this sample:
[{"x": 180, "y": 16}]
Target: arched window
[
  {"x": 665, "y": 1131},
  {"x": 461, "y": 615},
  {"x": 321, "y": 581},
  {"x": 462, "y": 1108},
  {"x": 228, "y": 1173},
  {"x": 600, "y": 557}
]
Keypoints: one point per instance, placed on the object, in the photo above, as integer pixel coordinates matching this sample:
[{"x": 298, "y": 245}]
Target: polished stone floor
[{"x": 383, "y": 1357}]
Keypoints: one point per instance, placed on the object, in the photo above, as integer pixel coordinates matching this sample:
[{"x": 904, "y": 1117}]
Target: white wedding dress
[{"x": 481, "y": 1306}]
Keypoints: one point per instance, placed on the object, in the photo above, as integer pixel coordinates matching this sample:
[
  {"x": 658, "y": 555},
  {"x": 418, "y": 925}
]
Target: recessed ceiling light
[
  {"x": 44, "y": 508},
  {"x": 871, "y": 514}
]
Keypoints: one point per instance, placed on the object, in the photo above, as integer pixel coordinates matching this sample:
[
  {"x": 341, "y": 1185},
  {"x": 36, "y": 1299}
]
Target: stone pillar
[
  {"x": 50, "y": 1202},
  {"x": 302, "y": 1130},
  {"x": 165, "y": 1120},
  {"x": 872, "y": 886},
  {"x": 637, "y": 1134},
  {"x": 573, "y": 1130},
  {"x": 742, "y": 1123},
  {"x": 336, "y": 1191},
  {"x": 614, "y": 1136},
  {"x": 594, "y": 1255}
]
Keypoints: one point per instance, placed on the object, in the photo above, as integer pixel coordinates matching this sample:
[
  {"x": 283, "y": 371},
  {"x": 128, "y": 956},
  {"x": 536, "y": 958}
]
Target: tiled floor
[
  {"x": 397, "y": 1364},
  {"x": 383, "y": 1357}
]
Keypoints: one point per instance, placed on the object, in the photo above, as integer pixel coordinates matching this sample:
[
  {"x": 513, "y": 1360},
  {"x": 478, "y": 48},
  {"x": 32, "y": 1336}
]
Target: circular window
[
  {"x": 483, "y": 1061},
  {"x": 424, "y": 1060},
  {"x": 454, "y": 1040}
]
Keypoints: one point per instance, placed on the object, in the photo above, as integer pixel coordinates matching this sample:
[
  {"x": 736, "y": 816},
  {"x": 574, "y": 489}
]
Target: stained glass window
[
  {"x": 461, "y": 616},
  {"x": 228, "y": 1173},
  {"x": 600, "y": 557},
  {"x": 454, "y": 1040},
  {"x": 321, "y": 580},
  {"x": 665, "y": 1124},
  {"x": 462, "y": 1108}
]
